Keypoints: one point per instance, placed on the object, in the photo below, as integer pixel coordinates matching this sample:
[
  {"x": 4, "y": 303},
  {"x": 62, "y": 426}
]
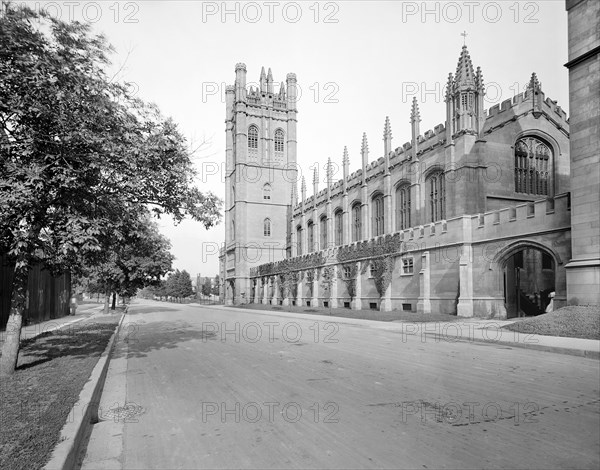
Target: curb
[
  {"x": 64, "y": 456},
  {"x": 540, "y": 347},
  {"x": 438, "y": 337}
]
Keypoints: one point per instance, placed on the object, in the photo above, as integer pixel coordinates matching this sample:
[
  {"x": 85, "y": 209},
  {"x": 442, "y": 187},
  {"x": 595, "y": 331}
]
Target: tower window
[
  {"x": 532, "y": 161},
  {"x": 378, "y": 216},
  {"x": 267, "y": 228},
  {"x": 403, "y": 207},
  {"x": 267, "y": 191},
  {"x": 437, "y": 197},
  {"x": 356, "y": 222},
  {"x": 278, "y": 141},
  {"x": 253, "y": 138},
  {"x": 339, "y": 239},
  {"x": 311, "y": 237}
]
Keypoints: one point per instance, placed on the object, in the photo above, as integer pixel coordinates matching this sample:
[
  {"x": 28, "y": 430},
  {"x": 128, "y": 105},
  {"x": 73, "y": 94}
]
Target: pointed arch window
[
  {"x": 436, "y": 184},
  {"x": 356, "y": 222},
  {"x": 338, "y": 223},
  {"x": 267, "y": 192},
  {"x": 323, "y": 233},
  {"x": 311, "y": 236},
  {"x": 403, "y": 207},
  {"x": 532, "y": 162},
  {"x": 378, "y": 216},
  {"x": 253, "y": 138},
  {"x": 278, "y": 142},
  {"x": 299, "y": 241},
  {"x": 267, "y": 227}
]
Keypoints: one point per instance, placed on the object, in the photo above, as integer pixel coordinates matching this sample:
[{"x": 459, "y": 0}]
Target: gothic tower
[{"x": 260, "y": 159}]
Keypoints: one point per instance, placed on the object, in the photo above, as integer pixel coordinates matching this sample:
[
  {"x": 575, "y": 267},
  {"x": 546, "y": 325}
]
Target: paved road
[{"x": 312, "y": 394}]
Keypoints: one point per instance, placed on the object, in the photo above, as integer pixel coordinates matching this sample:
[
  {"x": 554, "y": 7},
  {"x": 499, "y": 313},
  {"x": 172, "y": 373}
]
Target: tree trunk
[
  {"x": 114, "y": 301},
  {"x": 10, "y": 349},
  {"x": 106, "y": 303}
]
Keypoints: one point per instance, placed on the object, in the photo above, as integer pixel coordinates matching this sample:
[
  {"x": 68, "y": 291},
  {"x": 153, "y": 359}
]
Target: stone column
[
  {"x": 257, "y": 290},
  {"x": 424, "y": 301},
  {"x": 314, "y": 301},
  {"x": 465, "y": 299},
  {"x": 356, "y": 303},
  {"x": 287, "y": 295},
  {"x": 265, "y": 298},
  {"x": 275, "y": 298},
  {"x": 300, "y": 293}
]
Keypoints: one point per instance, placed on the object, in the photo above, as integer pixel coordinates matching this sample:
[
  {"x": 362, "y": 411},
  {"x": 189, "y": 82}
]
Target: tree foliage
[
  {"x": 179, "y": 285},
  {"x": 78, "y": 154}
]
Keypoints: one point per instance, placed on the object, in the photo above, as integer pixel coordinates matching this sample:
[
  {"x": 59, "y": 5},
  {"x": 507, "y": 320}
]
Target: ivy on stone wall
[
  {"x": 327, "y": 278},
  {"x": 382, "y": 272},
  {"x": 350, "y": 279},
  {"x": 310, "y": 261},
  {"x": 388, "y": 245}
]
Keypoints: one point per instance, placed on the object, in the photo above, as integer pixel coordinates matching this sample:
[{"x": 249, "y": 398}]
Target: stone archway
[{"x": 529, "y": 275}]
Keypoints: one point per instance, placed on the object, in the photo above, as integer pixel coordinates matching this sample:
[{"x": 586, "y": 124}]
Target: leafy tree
[
  {"x": 184, "y": 285},
  {"x": 216, "y": 286},
  {"x": 207, "y": 287},
  {"x": 77, "y": 152},
  {"x": 137, "y": 256}
]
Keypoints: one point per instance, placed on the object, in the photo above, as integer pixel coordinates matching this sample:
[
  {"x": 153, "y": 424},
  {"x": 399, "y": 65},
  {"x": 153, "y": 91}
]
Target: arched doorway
[{"x": 529, "y": 278}]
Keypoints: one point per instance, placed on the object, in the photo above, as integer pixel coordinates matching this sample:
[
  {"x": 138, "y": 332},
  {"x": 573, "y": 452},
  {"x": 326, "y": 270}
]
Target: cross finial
[{"x": 464, "y": 35}]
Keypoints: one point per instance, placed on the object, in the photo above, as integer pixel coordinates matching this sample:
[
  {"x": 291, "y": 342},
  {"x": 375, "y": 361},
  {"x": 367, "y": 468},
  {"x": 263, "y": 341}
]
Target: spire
[
  {"x": 329, "y": 178},
  {"x": 282, "y": 92},
  {"x": 415, "y": 115},
  {"x": 449, "y": 87},
  {"x": 364, "y": 151},
  {"x": 263, "y": 80},
  {"x": 479, "y": 79},
  {"x": 346, "y": 167},
  {"x": 387, "y": 129},
  {"x": 534, "y": 83},
  {"x": 270, "y": 81},
  {"x": 303, "y": 190},
  {"x": 387, "y": 142},
  {"x": 465, "y": 76},
  {"x": 315, "y": 183},
  {"x": 415, "y": 119}
]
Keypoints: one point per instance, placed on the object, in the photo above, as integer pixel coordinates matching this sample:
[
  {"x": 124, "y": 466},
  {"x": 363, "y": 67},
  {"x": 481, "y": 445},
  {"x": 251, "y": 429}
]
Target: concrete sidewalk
[
  {"x": 83, "y": 311},
  {"x": 472, "y": 330}
]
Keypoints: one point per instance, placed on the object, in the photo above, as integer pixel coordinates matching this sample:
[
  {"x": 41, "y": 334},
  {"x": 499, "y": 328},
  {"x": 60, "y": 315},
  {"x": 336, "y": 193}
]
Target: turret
[
  {"x": 464, "y": 97},
  {"x": 291, "y": 91},
  {"x": 240, "y": 82},
  {"x": 315, "y": 184}
]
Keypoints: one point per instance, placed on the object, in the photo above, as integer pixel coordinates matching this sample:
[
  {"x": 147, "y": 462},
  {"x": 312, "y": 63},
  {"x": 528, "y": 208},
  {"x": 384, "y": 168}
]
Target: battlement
[{"x": 519, "y": 103}]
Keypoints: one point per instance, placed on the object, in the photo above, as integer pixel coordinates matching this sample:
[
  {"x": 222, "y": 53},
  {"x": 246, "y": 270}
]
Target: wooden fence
[{"x": 48, "y": 297}]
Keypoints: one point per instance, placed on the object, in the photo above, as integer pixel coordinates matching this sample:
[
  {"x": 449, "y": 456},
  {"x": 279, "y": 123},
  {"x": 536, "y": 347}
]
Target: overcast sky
[{"x": 356, "y": 62}]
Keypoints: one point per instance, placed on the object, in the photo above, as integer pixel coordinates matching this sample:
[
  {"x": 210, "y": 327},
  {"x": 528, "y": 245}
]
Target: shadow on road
[
  {"x": 142, "y": 310},
  {"x": 148, "y": 337}
]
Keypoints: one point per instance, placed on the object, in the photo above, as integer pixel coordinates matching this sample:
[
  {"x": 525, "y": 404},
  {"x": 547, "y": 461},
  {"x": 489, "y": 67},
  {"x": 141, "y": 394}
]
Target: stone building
[
  {"x": 472, "y": 217},
  {"x": 583, "y": 271}
]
